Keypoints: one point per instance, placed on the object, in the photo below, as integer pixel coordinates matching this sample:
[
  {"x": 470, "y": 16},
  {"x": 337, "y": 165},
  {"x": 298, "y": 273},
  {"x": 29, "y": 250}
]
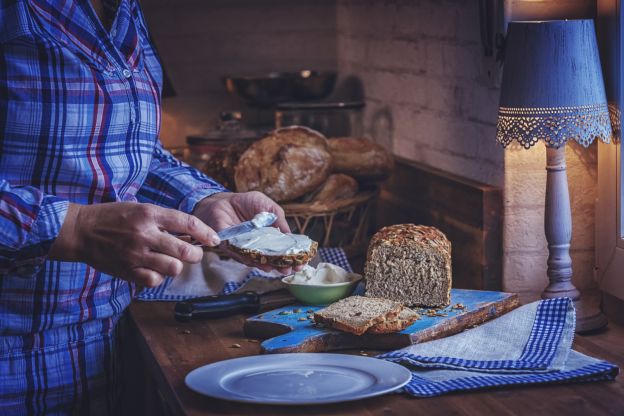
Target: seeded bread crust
[
  {"x": 410, "y": 264},
  {"x": 356, "y": 314},
  {"x": 402, "y": 321},
  {"x": 283, "y": 260}
]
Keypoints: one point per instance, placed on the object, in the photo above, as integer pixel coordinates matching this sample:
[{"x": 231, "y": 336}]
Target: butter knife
[{"x": 262, "y": 219}]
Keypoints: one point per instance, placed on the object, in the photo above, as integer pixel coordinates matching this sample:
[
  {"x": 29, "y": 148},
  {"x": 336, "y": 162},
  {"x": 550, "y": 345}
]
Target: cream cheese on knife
[{"x": 271, "y": 241}]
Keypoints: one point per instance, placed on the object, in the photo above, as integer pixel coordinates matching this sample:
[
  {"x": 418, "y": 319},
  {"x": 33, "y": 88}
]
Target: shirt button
[{"x": 126, "y": 73}]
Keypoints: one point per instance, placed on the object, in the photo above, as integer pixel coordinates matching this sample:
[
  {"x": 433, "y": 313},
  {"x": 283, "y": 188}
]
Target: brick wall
[
  {"x": 201, "y": 40},
  {"x": 420, "y": 67}
]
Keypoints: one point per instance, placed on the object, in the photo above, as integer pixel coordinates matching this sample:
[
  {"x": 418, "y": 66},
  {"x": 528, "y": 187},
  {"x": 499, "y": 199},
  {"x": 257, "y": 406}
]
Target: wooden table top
[{"x": 172, "y": 349}]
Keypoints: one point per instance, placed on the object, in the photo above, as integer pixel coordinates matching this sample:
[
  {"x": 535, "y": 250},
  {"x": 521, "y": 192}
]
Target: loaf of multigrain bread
[
  {"x": 356, "y": 314},
  {"x": 410, "y": 264}
]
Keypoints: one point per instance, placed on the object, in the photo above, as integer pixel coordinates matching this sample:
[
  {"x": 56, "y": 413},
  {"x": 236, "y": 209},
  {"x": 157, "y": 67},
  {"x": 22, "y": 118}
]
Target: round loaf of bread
[
  {"x": 337, "y": 186},
  {"x": 410, "y": 264},
  {"x": 286, "y": 164},
  {"x": 361, "y": 158}
]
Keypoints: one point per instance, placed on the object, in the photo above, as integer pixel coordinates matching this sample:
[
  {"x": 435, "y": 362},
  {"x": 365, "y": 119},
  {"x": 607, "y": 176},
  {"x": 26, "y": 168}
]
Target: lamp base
[{"x": 589, "y": 317}]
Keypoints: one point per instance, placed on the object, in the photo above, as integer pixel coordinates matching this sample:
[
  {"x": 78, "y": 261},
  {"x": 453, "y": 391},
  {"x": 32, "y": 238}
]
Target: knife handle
[{"x": 216, "y": 306}]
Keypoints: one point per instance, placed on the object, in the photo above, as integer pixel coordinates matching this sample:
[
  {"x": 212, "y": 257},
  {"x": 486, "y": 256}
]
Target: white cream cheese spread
[
  {"x": 272, "y": 242},
  {"x": 323, "y": 274}
]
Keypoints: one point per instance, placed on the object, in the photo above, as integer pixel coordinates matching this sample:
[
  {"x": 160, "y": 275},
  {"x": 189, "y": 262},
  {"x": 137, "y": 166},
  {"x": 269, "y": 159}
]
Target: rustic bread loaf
[
  {"x": 361, "y": 158},
  {"x": 410, "y": 264},
  {"x": 356, "y": 314},
  {"x": 270, "y": 246},
  {"x": 402, "y": 321},
  {"x": 286, "y": 164},
  {"x": 337, "y": 186}
]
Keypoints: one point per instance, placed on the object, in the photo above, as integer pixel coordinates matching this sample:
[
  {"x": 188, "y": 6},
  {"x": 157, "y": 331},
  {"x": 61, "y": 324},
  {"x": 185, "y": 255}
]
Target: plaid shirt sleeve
[
  {"x": 173, "y": 184},
  {"x": 30, "y": 220}
]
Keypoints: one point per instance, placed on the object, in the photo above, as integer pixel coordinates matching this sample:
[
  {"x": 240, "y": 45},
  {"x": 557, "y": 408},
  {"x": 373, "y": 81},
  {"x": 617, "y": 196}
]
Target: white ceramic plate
[{"x": 297, "y": 378}]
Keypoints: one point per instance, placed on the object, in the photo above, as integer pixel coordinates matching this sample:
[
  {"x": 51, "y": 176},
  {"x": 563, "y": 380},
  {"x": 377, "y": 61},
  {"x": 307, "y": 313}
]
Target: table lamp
[{"x": 552, "y": 91}]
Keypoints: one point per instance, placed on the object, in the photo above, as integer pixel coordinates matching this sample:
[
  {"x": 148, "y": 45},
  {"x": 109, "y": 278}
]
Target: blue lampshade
[{"x": 552, "y": 88}]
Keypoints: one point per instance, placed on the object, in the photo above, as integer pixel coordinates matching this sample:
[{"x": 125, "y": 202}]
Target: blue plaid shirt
[{"x": 79, "y": 122}]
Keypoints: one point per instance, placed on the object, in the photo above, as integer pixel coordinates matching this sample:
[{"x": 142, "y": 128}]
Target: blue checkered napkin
[
  {"x": 532, "y": 344},
  {"x": 336, "y": 256}
]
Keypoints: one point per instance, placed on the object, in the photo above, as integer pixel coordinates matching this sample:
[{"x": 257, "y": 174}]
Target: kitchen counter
[{"x": 167, "y": 350}]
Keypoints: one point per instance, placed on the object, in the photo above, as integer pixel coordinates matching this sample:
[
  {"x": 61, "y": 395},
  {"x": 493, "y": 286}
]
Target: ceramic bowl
[{"x": 321, "y": 294}]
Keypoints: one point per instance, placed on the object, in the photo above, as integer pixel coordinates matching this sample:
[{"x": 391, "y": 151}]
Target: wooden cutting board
[{"x": 289, "y": 329}]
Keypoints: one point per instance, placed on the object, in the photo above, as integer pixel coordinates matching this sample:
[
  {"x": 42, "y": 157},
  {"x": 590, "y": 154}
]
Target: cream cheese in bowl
[
  {"x": 322, "y": 285},
  {"x": 272, "y": 242},
  {"x": 323, "y": 274}
]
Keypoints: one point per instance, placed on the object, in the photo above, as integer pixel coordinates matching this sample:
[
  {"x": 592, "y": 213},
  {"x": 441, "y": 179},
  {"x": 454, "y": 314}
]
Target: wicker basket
[{"x": 342, "y": 223}]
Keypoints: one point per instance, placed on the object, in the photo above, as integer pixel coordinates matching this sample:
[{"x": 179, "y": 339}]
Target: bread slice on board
[
  {"x": 402, "y": 321},
  {"x": 356, "y": 314}
]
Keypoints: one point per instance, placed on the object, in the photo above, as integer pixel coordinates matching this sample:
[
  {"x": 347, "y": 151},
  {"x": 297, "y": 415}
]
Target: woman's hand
[
  {"x": 226, "y": 209},
  {"x": 130, "y": 240}
]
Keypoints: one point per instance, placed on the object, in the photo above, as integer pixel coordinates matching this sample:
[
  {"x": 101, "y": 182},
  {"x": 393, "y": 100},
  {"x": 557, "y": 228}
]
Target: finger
[
  {"x": 146, "y": 277},
  {"x": 176, "y": 247},
  {"x": 178, "y": 222},
  {"x": 162, "y": 264},
  {"x": 282, "y": 224}
]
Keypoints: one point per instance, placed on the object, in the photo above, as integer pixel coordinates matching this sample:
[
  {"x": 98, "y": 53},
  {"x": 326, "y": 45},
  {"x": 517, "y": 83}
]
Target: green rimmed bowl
[{"x": 321, "y": 294}]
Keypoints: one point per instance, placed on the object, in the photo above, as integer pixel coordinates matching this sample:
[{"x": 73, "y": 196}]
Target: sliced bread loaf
[
  {"x": 356, "y": 314},
  {"x": 402, "y": 321},
  {"x": 410, "y": 264}
]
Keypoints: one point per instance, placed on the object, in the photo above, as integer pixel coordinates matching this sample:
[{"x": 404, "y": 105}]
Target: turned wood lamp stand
[{"x": 552, "y": 91}]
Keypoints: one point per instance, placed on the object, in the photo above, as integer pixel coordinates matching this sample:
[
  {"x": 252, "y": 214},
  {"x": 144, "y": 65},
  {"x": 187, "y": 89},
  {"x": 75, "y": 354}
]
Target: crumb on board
[
  {"x": 297, "y": 310},
  {"x": 303, "y": 318},
  {"x": 235, "y": 346},
  {"x": 285, "y": 313}
]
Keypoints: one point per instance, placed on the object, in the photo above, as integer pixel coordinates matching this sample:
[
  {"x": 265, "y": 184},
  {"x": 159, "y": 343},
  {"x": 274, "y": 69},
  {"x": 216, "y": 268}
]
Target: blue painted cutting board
[{"x": 291, "y": 329}]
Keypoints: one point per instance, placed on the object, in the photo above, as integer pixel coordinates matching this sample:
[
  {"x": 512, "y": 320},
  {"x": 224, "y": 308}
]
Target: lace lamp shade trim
[{"x": 555, "y": 126}]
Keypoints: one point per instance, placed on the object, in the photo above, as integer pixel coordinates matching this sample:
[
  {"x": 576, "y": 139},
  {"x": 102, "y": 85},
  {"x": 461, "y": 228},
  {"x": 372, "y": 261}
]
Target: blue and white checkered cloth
[
  {"x": 335, "y": 256},
  {"x": 530, "y": 345}
]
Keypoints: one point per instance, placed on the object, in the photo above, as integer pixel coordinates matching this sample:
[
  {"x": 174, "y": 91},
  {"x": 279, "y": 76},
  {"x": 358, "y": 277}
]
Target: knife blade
[
  {"x": 219, "y": 306},
  {"x": 262, "y": 219}
]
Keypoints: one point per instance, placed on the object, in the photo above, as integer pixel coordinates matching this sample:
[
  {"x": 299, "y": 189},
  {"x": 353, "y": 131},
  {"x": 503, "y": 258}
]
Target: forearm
[{"x": 173, "y": 184}]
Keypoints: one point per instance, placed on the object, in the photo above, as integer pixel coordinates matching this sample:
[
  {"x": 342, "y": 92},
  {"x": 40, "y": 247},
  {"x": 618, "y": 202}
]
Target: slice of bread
[
  {"x": 402, "y": 321},
  {"x": 268, "y": 245},
  {"x": 281, "y": 260},
  {"x": 356, "y": 314}
]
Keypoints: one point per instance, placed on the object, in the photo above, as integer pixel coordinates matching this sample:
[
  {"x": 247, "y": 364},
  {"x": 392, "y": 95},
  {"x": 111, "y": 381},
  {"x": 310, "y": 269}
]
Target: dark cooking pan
[{"x": 277, "y": 87}]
